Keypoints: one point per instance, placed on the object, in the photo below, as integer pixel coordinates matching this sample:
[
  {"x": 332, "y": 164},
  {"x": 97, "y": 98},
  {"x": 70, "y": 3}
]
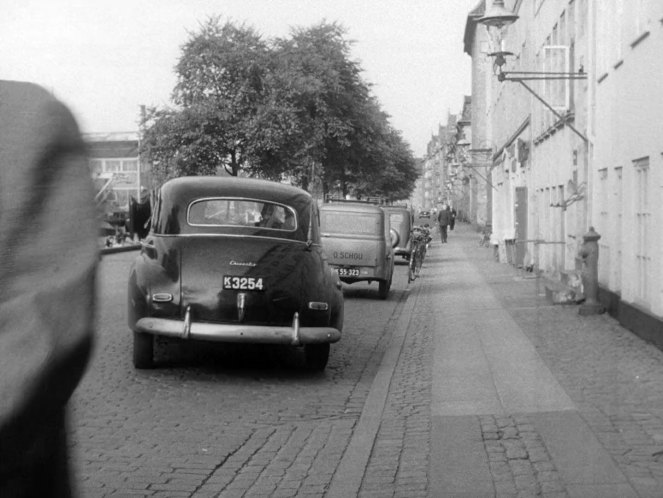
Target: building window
[
  {"x": 125, "y": 182},
  {"x": 581, "y": 17},
  {"x": 618, "y": 195},
  {"x": 96, "y": 167},
  {"x": 639, "y": 23},
  {"x": 556, "y": 60},
  {"x": 604, "y": 223},
  {"x": 617, "y": 38},
  {"x": 112, "y": 166},
  {"x": 643, "y": 228},
  {"x": 538, "y": 4}
]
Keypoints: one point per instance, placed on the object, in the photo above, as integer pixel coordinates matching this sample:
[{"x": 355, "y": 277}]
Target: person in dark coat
[
  {"x": 48, "y": 243},
  {"x": 443, "y": 220},
  {"x": 140, "y": 212},
  {"x": 452, "y": 222}
]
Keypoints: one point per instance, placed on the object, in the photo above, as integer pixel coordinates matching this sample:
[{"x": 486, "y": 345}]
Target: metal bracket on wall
[
  {"x": 474, "y": 168},
  {"x": 530, "y": 75}
]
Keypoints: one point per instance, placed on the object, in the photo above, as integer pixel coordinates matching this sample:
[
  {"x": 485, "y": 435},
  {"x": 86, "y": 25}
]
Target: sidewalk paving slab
[{"x": 500, "y": 422}]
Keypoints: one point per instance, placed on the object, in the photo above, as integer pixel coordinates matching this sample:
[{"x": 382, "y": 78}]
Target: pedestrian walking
[
  {"x": 443, "y": 220},
  {"x": 48, "y": 242},
  {"x": 452, "y": 222}
]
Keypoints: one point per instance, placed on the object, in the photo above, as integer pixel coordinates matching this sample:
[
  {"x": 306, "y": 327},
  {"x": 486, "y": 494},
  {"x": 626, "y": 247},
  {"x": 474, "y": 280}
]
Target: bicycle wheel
[
  {"x": 412, "y": 266},
  {"x": 420, "y": 260}
]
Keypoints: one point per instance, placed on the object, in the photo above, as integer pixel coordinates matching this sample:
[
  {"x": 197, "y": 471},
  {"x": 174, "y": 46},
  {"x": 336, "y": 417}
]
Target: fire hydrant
[{"x": 589, "y": 253}]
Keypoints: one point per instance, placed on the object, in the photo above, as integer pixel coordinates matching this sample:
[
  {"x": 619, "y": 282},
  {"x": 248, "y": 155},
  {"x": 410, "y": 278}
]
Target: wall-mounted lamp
[{"x": 497, "y": 18}]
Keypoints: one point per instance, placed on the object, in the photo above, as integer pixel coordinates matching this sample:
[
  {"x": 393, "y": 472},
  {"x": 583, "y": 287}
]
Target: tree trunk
[
  {"x": 344, "y": 185},
  {"x": 233, "y": 163}
]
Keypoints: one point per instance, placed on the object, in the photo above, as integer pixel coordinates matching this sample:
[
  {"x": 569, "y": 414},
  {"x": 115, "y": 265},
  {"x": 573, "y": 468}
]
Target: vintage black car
[{"x": 234, "y": 260}]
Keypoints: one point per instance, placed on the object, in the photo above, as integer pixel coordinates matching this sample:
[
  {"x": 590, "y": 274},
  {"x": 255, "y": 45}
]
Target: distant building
[
  {"x": 446, "y": 167},
  {"x": 115, "y": 164}
]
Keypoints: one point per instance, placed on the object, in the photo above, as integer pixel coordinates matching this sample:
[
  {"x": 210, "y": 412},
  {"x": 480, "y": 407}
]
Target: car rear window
[
  {"x": 241, "y": 212},
  {"x": 396, "y": 218},
  {"x": 343, "y": 223}
]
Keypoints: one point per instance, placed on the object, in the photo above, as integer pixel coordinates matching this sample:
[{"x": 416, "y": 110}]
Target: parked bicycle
[{"x": 420, "y": 239}]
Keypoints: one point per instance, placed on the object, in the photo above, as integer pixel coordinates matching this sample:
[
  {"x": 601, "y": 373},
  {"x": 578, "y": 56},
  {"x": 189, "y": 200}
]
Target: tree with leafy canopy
[
  {"x": 218, "y": 98},
  {"x": 324, "y": 90},
  {"x": 295, "y": 108}
]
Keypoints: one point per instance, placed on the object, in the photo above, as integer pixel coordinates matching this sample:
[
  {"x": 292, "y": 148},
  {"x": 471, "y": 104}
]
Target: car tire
[
  {"x": 383, "y": 290},
  {"x": 143, "y": 350},
  {"x": 316, "y": 356}
]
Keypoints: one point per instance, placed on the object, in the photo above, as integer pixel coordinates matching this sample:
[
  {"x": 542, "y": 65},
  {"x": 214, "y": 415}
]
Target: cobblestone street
[{"x": 467, "y": 382}]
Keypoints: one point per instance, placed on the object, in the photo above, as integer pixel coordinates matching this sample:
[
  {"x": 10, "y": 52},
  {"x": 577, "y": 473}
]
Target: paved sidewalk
[{"x": 487, "y": 389}]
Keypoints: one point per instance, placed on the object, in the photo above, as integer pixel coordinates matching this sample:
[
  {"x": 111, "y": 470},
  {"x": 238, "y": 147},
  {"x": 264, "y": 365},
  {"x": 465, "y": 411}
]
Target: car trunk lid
[{"x": 226, "y": 279}]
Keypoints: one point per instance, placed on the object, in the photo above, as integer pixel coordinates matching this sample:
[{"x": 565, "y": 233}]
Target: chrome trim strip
[
  {"x": 241, "y": 303},
  {"x": 186, "y": 332},
  {"x": 295, "y": 330},
  {"x": 234, "y": 235}
]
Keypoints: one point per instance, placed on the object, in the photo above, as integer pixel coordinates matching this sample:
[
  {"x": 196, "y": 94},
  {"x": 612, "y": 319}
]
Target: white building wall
[
  {"x": 558, "y": 157},
  {"x": 628, "y": 148}
]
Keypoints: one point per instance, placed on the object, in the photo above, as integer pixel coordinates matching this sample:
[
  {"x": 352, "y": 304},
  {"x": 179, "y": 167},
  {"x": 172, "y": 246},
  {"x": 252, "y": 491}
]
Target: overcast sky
[{"x": 105, "y": 58}]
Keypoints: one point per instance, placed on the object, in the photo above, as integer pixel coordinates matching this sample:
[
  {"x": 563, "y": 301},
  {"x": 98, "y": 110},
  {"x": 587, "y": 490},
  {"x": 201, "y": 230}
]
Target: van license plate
[{"x": 348, "y": 272}]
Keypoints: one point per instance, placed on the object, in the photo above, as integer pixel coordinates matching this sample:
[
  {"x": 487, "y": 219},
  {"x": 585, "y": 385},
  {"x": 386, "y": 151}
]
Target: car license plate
[
  {"x": 348, "y": 272},
  {"x": 243, "y": 283}
]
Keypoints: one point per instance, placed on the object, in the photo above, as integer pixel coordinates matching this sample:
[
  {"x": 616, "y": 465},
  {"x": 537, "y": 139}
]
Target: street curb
[
  {"x": 352, "y": 467},
  {"x": 113, "y": 250}
]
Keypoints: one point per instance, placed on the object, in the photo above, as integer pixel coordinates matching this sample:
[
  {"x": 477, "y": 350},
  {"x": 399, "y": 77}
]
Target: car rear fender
[{"x": 154, "y": 281}]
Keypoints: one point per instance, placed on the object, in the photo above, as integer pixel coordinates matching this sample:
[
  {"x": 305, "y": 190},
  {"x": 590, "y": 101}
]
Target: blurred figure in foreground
[{"x": 48, "y": 259}]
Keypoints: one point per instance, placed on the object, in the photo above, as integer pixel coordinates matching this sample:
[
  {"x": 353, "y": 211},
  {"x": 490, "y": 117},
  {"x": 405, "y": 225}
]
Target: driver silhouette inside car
[{"x": 269, "y": 217}]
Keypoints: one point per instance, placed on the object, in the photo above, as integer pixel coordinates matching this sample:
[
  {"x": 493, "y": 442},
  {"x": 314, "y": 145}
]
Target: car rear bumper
[{"x": 236, "y": 332}]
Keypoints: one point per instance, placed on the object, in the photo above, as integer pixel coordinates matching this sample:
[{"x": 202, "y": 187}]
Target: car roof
[
  {"x": 351, "y": 207},
  {"x": 188, "y": 188},
  {"x": 397, "y": 208}
]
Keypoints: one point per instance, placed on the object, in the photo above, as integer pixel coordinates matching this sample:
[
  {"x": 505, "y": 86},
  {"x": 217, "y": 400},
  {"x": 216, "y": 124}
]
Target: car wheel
[
  {"x": 395, "y": 237},
  {"x": 143, "y": 350},
  {"x": 411, "y": 274},
  {"x": 383, "y": 290},
  {"x": 316, "y": 356}
]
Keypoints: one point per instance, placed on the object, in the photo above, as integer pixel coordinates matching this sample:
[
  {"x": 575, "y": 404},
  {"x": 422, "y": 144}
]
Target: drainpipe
[{"x": 592, "y": 6}]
